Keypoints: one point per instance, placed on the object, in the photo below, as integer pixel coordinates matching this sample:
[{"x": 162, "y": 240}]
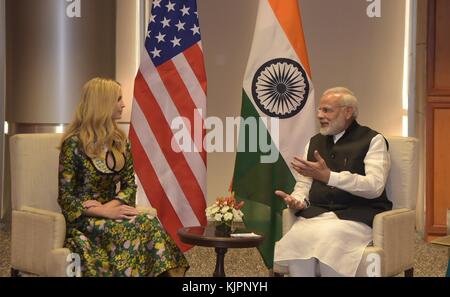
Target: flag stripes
[
  {"x": 193, "y": 55},
  {"x": 154, "y": 116},
  {"x": 162, "y": 169},
  {"x": 277, "y": 70},
  {"x": 158, "y": 92},
  {"x": 171, "y": 86},
  {"x": 166, "y": 213},
  {"x": 182, "y": 100},
  {"x": 289, "y": 17},
  {"x": 188, "y": 76}
]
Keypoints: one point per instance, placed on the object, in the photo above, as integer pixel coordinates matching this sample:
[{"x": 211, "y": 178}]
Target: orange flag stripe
[{"x": 288, "y": 15}]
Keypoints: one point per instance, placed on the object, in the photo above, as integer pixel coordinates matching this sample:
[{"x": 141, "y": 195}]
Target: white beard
[{"x": 334, "y": 127}]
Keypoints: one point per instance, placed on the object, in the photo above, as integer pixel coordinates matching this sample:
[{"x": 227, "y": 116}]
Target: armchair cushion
[
  {"x": 38, "y": 227},
  {"x": 34, "y": 171},
  {"x": 368, "y": 265},
  {"x": 57, "y": 262},
  {"x": 393, "y": 242},
  {"x": 393, "y": 231},
  {"x": 34, "y": 234},
  {"x": 401, "y": 186}
]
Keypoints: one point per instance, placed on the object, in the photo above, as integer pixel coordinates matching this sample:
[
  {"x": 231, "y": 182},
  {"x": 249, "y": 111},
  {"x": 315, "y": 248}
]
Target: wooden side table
[{"x": 205, "y": 236}]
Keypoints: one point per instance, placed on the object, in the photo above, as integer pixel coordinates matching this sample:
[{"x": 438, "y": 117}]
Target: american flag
[{"x": 171, "y": 85}]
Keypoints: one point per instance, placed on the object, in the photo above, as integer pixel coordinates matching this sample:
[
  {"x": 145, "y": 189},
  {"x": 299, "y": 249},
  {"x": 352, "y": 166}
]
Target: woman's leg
[{"x": 163, "y": 254}]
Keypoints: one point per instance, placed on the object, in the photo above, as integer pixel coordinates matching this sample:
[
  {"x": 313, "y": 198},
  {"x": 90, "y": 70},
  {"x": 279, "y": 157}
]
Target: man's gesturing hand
[
  {"x": 291, "y": 201},
  {"x": 317, "y": 170}
]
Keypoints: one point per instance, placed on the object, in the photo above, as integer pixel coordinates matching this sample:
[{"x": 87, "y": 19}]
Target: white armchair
[
  {"x": 38, "y": 228},
  {"x": 394, "y": 230}
]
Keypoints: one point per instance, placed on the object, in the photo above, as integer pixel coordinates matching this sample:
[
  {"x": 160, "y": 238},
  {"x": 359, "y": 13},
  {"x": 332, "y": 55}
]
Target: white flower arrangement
[{"x": 225, "y": 210}]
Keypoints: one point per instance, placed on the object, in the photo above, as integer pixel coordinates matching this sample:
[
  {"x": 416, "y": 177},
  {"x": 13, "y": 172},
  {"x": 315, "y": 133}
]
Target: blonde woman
[{"x": 97, "y": 195}]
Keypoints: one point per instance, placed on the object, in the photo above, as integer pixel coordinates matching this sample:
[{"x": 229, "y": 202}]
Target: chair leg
[
  {"x": 15, "y": 273},
  {"x": 409, "y": 272}
]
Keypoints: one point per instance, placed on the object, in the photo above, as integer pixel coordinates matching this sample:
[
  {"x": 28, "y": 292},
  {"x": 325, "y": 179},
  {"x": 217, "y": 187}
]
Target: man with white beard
[{"x": 340, "y": 188}]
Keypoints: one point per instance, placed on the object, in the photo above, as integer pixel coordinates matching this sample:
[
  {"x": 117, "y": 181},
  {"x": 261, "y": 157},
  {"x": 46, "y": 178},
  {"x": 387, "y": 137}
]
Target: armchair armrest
[
  {"x": 34, "y": 234},
  {"x": 289, "y": 219},
  {"x": 57, "y": 263},
  {"x": 394, "y": 232}
]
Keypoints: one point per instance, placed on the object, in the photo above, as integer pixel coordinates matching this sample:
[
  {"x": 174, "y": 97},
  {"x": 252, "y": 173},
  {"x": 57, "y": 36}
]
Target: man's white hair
[{"x": 347, "y": 98}]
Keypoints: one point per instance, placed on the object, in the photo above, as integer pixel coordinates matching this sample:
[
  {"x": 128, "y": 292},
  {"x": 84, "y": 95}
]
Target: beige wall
[
  {"x": 127, "y": 49},
  {"x": 227, "y": 31},
  {"x": 365, "y": 54},
  {"x": 345, "y": 48}
]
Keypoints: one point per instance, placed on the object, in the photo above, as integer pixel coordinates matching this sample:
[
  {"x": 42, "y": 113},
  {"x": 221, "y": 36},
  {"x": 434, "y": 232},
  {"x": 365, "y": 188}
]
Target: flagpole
[
  {"x": 143, "y": 4},
  {"x": 143, "y": 15}
]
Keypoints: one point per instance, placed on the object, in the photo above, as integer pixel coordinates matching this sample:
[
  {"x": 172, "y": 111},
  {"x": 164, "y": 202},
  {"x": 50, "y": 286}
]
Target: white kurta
[{"x": 337, "y": 243}]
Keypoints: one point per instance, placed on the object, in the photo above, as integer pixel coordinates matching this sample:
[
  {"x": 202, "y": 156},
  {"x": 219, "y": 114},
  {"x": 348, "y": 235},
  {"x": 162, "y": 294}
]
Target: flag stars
[
  {"x": 174, "y": 26},
  {"x": 160, "y": 37},
  {"x": 180, "y": 25},
  {"x": 176, "y": 41},
  {"x": 170, "y": 6},
  {"x": 185, "y": 10},
  {"x": 156, "y": 3},
  {"x": 165, "y": 22},
  {"x": 195, "y": 30},
  {"x": 156, "y": 53}
]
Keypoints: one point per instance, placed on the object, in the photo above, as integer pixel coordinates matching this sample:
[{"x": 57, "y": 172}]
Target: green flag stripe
[{"x": 255, "y": 183}]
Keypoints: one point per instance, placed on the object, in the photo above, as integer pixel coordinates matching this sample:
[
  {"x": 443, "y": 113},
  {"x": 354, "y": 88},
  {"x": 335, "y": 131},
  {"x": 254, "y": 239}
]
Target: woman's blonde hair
[{"x": 93, "y": 122}]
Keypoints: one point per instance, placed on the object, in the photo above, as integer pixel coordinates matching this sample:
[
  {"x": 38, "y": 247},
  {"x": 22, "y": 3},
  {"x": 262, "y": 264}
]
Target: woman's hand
[
  {"x": 113, "y": 210},
  {"x": 91, "y": 203},
  {"x": 119, "y": 212}
]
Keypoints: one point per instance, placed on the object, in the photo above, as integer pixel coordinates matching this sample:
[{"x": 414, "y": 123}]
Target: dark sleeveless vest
[{"x": 347, "y": 154}]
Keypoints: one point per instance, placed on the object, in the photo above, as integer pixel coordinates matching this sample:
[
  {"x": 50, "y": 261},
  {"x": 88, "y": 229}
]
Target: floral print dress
[{"x": 139, "y": 247}]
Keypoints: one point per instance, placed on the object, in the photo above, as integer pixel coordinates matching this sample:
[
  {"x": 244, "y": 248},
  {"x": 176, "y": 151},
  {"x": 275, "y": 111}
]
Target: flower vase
[{"x": 223, "y": 230}]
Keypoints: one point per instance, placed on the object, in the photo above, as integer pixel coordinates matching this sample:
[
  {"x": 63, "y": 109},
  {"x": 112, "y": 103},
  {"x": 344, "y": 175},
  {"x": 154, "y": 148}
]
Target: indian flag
[{"x": 277, "y": 85}]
